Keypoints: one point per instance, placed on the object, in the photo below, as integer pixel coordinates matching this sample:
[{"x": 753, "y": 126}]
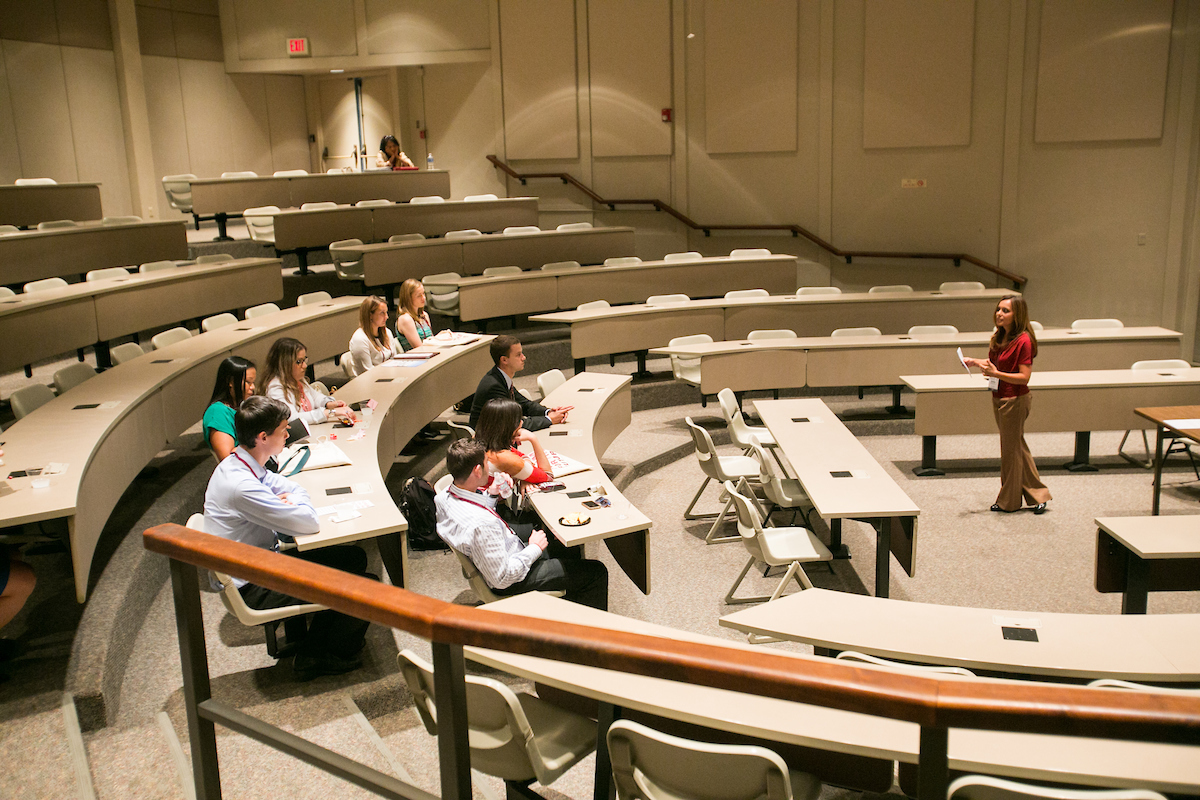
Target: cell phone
[
  {"x": 343, "y": 423},
  {"x": 577, "y": 495},
  {"x": 338, "y": 490},
  {"x": 551, "y": 487},
  {"x": 841, "y": 473},
  {"x": 591, "y": 504},
  {"x": 357, "y": 406}
]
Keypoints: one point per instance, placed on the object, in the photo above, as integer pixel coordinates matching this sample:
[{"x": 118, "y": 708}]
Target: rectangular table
[
  {"x": 33, "y": 255},
  {"x": 26, "y": 206},
  {"x": 1079, "y": 400},
  {"x": 1156, "y": 648},
  {"x": 1138, "y": 555},
  {"x": 1162, "y": 419},
  {"x": 844, "y": 481}
]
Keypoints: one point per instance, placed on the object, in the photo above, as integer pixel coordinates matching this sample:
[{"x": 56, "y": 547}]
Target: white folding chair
[
  {"x": 690, "y": 255},
  {"x": 593, "y": 304},
  {"x": 1037, "y": 326},
  {"x": 347, "y": 364},
  {"x": 376, "y": 203},
  {"x": 313, "y": 297},
  {"x": 889, "y": 289},
  {"x": 479, "y": 198},
  {"x": 561, "y": 265},
  {"x": 962, "y": 286},
  {"x": 442, "y": 296},
  {"x": 985, "y": 787},
  {"x": 347, "y": 256},
  {"x": 513, "y": 230},
  {"x": 324, "y": 205},
  {"x": 780, "y": 491},
  {"x": 405, "y": 237},
  {"x": 736, "y": 293},
  {"x": 1177, "y": 445},
  {"x": 496, "y": 272},
  {"x": 7, "y": 292},
  {"x": 666, "y": 299},
  {"x": 260, "y": 310},
  {"x": 35, "y": 182},
  {"x": 550, "y": 380},
  {"x": 459, "y": 431},
  {"x": 169, "y": 337},
  {"x": 1096, "y": 324},
  {"x": 688, "y": 369},
  {"x": 740, "y": 433},
  {"x": 466, "y": 233},
  {"x": 853, "y": 655},
  {"x": 931, "y": 330},
  {"x": 214, "y": 258},
  {"x": 28, "y": 399},
  {"x": 867, "y": 331},
  {"x": 44, "y": 285},
  {"x": 1115, "y": 683},
  {"x": 155, "y": 266},
  {"x": 126, "y": 220},
  {"x": 771, "y": 333},
  {"x": 750, "y": 252},
  {"x": 54, "y": 224},
  {"x": 106, "y": 274},
  {"x": 126, "y": 352},
  {"x": 178, "y": 189},
  {"x": 218, "y": 321},
  {"x": 260, "y": 223},
  {"x": 426, "y": 199},
  {"x": 621, "y": 261},
  {"x": 809, "y": 290},
  {"x": 240, "y": 174},
  {"x": 69, "y": 377},
  {"x": 7, "y": 229},
  {"x": 574, "y": 226},
  {"x": 290, "y": 173},
  {"x": 721, "y": 469}
]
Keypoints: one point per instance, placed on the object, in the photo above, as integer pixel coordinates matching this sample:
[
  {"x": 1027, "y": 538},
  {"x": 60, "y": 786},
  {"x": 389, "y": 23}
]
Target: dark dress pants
[{"x": 562, "y": 569}]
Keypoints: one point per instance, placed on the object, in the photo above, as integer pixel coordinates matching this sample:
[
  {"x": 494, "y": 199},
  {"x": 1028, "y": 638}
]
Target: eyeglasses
[{"x": 302, "y": 360}]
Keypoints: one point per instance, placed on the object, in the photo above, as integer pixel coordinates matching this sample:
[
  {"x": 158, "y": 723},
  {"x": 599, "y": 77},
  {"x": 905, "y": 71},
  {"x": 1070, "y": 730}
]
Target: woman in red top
[
  {"x": 1007, "y": 367},
  {"x": 499, "y": 428}
]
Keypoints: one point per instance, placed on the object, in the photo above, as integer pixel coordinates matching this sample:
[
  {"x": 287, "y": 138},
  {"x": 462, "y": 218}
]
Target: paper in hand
[{"x": 963, "y": 360}]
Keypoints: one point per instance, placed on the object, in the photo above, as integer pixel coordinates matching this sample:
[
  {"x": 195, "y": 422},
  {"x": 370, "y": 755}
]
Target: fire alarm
[{"x": 666, "y": 115}]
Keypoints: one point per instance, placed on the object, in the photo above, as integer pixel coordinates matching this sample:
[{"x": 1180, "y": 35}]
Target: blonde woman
[
  {"x": 283, "y": 379},
  {"x": 372, "y": 344},
  {"x": 413, "y": 326}
]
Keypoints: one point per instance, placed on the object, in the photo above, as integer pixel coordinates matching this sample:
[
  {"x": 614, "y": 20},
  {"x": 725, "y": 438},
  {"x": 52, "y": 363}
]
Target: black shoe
[
  {"x": 308, "y": 667},
  {"x": 996, "y": 507},
  {"x": 1040, "y": 508}
]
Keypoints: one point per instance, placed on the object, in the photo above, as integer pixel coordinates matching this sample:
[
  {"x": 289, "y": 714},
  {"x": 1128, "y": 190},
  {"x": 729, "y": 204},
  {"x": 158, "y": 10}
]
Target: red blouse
[{"x": 1019, "y": 351}]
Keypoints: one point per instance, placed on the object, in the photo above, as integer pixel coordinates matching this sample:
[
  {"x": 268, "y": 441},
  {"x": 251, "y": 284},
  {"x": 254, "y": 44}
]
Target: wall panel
[
  {"x": 24, "y": 21},
  {"x": 197, "y": 36},
  {"x": 249, "y": 126},
  {"x": 424, "y": 26},
  {"x": 205, "y": 110},
  {"x": 1102, "y": 70},
  {"x": 96, "y": 126},
  {"x": 10, "y": 153},
  {"x": 264, "y": 26},
  {"x": 630, "y": 67},
  {"x": 38, "y": 92},
  {"x": 168, "y": 131},
  {"x": 750, "y": 62},
  {"x": 156, "y": 35},
  {"x": 287, "y": 121},
  {"x": 83, "y": 23},
  {"x": 917, "y": 73},
  {"x": 541, "y": 106},
  {"x": 460, "y": 101}
]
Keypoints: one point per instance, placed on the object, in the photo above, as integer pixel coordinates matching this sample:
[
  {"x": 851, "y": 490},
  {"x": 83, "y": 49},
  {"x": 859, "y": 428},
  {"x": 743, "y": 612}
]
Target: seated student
[
  {"x": 235, "y": 382},
  {"x": 391, "y": 156},
  {"x": 512, "y": 559},
  {"x": 372, "y": 344},
  {"x": 500, "y": 431},
  {"x": 247, "y": 503},
  {"x": 283, "y": 379},
  {"x": 412, "y": 326},
  {"x": 509, "y": 359},
  {"x": 17, "y": 582}
]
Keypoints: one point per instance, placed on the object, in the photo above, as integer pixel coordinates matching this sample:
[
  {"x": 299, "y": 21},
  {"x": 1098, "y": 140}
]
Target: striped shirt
[{"x": 468, "y": 522}]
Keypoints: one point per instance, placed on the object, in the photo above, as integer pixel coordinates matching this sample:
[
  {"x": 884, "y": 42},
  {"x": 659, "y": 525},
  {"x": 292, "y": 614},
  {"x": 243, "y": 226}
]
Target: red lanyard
[
  {"x": 252, "y": 472},
  {"x": 491, "y": 511}
]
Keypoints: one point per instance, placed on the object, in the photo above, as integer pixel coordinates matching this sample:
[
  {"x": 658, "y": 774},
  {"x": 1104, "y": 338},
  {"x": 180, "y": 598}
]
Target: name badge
[{"x": 994, "y": 384}]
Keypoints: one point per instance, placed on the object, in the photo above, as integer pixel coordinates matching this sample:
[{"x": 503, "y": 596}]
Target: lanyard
[
  {"x": 485, "y": 508},
  {"x": 252, "y": 472}
]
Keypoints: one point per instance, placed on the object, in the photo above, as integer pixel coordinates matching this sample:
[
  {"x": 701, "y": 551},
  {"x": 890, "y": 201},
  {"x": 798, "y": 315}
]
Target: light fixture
[{"x": 337, "y": 71}]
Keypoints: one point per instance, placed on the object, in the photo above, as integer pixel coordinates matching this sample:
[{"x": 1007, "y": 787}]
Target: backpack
[{"x": 416, "y": 503}]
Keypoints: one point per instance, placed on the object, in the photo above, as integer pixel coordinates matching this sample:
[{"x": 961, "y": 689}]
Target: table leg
[
  {"x": 1081, "y": 460},
  {"x": 1158, "y": 464},
  {"x": 896, "y": 407},
  {"x": 1137, "y": 584},
  {"x": 883, "y": 556},
  {"x": 222, "y": 236},
  {"x": 302, "y": 257},
  {"x": 928, "y": 458},
  {"x": 580, "y": 365},
  {"x": 641, "y": 364},
  {"x": 604, "y": 788},
  {"x": 103, "y": 355},
  {"x": 839, "y": 550},
  {"x": 632, "y": 553}
]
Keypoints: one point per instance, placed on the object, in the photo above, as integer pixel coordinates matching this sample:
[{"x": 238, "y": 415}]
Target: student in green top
[{"x": 235, "y": 382}]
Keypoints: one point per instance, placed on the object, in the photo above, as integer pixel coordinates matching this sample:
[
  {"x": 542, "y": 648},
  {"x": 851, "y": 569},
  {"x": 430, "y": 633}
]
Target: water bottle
[{"x": 429, "y": 161}]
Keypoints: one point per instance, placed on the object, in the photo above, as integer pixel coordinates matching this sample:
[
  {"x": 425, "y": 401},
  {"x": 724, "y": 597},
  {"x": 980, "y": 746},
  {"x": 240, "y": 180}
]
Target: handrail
[
  {"x": 1018, "y": 281},
  {"x": 929, "y": 701}
]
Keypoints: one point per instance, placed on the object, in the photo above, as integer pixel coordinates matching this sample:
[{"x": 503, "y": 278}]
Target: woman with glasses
[{"x": 283, "y": 379}]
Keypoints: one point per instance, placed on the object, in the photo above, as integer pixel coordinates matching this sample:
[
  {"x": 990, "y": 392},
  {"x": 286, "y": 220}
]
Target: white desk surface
[
  {"x": 824, "y": 445},
  {"x": 1065, "y": 379},
  {"x": 1108, "y": 763},
  {"x": 1129, "y": 646},
  {"x": 1175, "y": 536}
]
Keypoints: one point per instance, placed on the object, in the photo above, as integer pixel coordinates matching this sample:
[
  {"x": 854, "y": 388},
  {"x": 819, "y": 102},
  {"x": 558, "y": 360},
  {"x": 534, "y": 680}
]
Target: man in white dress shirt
[
  {"x": 512, "y": 559},
  {"x": 248, "y": 503}
]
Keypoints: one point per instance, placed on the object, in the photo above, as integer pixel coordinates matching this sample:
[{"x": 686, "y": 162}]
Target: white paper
[
  {"x": 1016, "y": 622},
  {"x": 362, "y": 488},
  {"x": 1183, "y": 424},
  {"x": 342, "y": 508},
  {"x": 963, "y": 360},
  {"x": 860, "y": 473}
]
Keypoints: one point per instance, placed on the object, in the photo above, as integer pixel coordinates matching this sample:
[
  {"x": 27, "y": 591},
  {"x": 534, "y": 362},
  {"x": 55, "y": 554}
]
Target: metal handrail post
[
  {"x": 193, "y": 656},
  {"x": 450, "y": 691},
  {"x": 933, "y": 766}
]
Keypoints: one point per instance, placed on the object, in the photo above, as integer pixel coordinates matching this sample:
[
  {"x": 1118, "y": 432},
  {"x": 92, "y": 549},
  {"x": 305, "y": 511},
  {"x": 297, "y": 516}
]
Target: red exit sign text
[{"x": 297, "y": 47}]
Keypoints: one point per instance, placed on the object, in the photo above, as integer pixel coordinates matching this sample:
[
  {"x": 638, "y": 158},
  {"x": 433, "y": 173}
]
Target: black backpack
[{"x": 416, "y": 503}]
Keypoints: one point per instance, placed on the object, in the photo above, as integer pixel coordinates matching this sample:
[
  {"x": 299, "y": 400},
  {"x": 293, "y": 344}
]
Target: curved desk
[
  {"x": 107, "y": 429},
  {"x": 33, "y": 255},
  {"x": 31, "y": 325},
  {"x": 26, "y": 206}
]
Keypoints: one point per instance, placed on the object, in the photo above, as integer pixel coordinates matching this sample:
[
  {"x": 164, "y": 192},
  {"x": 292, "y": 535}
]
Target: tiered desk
[
  {"x": 33, "y": 255},
  {"x": 26, "y": 206}
]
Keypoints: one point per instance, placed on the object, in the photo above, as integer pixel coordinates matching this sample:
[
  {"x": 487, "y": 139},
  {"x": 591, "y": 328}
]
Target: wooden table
[
  {"x": 602, "y": 409},
  {"x": 31, "y": 325},
  {"x": 844, "y": 481},
  {"x": 222, "y": 198},
  {"x": 108, "y": 428},
  {"x": 1160, "y": 648},
  {"x": 33, "y": 255},
  {"x": 26, "y": 206},
  {"x": 1079, "y": 400},
  {"x": 1138, "y": 555},
  {"x": 853, "y": 742},
  {"x": 1162, "y": 417}
]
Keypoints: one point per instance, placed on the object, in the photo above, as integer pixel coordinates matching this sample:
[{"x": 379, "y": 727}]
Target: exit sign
[{"x": 298, "y": 48}]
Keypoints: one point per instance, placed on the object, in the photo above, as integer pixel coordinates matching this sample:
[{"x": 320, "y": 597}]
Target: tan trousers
[{"x": 1018, "y": 474}]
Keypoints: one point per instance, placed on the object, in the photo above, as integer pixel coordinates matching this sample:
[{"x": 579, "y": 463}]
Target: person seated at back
[
  {"x": 235, "y": 382},
  {"x": 391, "y": 156},
  {"x": 509, "y": 359},
  {"x": 511, "y": 558},
  {"x": 247, "y": 503},
  {"x": 372, "y": 344},
  {"x": 283, "y": 379}
]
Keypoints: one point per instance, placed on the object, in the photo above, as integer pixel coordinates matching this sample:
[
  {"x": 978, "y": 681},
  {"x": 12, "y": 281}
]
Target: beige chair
[
  {"x": 690, "y": 255},
  {"x": 775, "y": 547},
  {"x": 721, "y": 469},
  {"x": 466, "y": 233},
  {"x": 218, "y": 321},
  {"x": 519, "y": 738},
  {"x": 1177, "y": 445},
  {"x": 514, "y": 230},
  {"x": 1114, "y": 683},
  {"x": 426, "y": 199},
  {"x": 347, "y": 364},
  {"x": 779, "y": 491},
  {"x": 45, "y": 285},
  {"x": 405, "y": 237},
  {"x": 649, "y": 765},
  {"x": 771, "y": 333},
  {"x": 290, "y": 173},
  {"x": 214, "y": 258},
  {"x": 1096, "y": 324},
  {"x": 313, "y": 297},
  {"x": 28, "y": 399},
  {"x": 459, "y": 431},
  {"x": 890, "y": 289},
  {"x": 736, "y": 293},
  {"x": 324, "y": 205},
  {"x": 750, "y": 252},
  {"x": 178, "y": 189},
  {"x": 347, "y": 257},
  {"x": 442, "y": 296},
  {"x": 55, "y": 224},
  {"x": 622, "y": 261},
  {"x": 155, "y": 266},
  {"x": 126, "y": 352},
  {"x": 260, "y": 223},
  {"x": 480, "y": 198},
  {"x": 125, "y": 220},
  {"x": 867, "y": 331},
  {"x": 561, "y": 265},
  {"x": 376, "y": 203},
  {"x": 35, "y": 182},
  {"x": 688, "y": 369},
  {"x": 931, "y": 330},
  {"x": 741, "y": 433},
  {"x": 169, "y": 337},
  {"x": 574, "y": 226},
  {"x": 593, "y": 304},
  {"x": 810, "y": 290},
  {"x": 962, "y": 286},
  {"x": 665, "y": 299},
  {"x": 7, "y": 229},
  {"x": 106, "y": 274},
  {"x": 550, "y": 380},
  {"x": 68, "y": 378},
  {"x": 496, "y": 272},
  {"x": 985, "y": 787},
  {"x": 852, "y": 655},
  {"x": 242, "y": 174},
  {"x": 1037, "y": 326},
  {"x": 7, "y": 292},
  {"x": 260, "y": 310}
]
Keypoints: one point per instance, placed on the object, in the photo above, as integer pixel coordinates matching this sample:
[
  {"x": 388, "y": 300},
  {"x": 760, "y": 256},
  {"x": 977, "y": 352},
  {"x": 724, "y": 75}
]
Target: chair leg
[
  {"x": 519, "y": 790},
  {"x": 691, "y": 506},
  {"x": 272, "y": 642},
  {"x": 712, "y": 537},
  {"x": 736, "y": 601},
  {"x": 28, "y": 370},
  {"x": 1148, "y": 463}
]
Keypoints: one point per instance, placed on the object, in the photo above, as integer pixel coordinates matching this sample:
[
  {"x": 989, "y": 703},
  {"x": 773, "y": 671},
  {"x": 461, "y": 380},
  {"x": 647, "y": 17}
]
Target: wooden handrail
[
  {"x": 926, "y": 700},
  {"x": 1018, "y": 281}
]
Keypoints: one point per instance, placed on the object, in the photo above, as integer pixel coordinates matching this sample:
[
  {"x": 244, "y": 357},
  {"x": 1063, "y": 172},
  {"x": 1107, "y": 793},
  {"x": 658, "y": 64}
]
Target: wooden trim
[{"x": 926, "y": 700}]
